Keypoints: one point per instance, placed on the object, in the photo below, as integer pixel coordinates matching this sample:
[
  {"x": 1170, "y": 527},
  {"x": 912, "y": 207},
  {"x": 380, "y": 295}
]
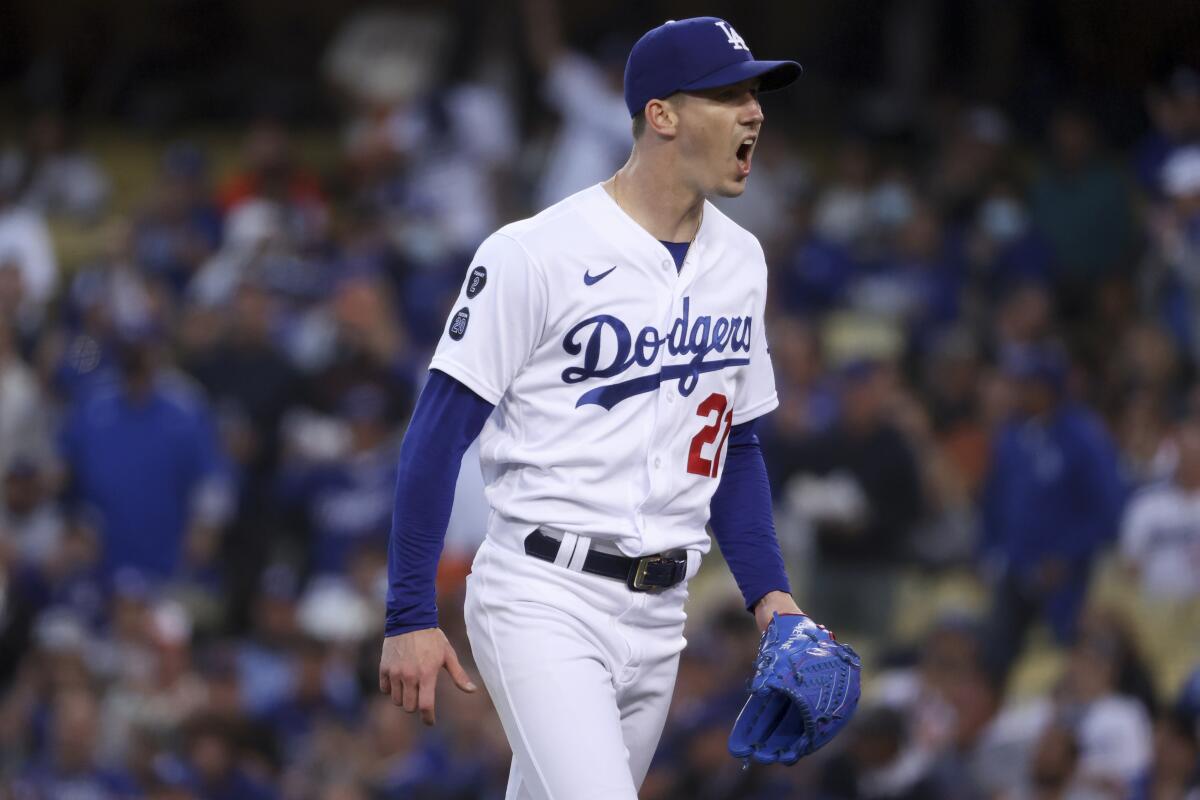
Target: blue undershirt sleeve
[
  {"x": 742, "y": 520},
  {"x": 447, "y": 418}
]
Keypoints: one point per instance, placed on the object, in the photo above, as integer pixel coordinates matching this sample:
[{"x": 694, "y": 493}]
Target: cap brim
[{"x": 774, "y": 74}]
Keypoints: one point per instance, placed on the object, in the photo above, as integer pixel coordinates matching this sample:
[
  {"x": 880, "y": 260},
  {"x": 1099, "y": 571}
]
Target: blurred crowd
[{"x": 986, "y": 346}]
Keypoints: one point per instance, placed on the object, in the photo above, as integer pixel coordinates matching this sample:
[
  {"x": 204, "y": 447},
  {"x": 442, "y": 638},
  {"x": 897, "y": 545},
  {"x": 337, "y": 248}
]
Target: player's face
[{"x": 718, "y": 131}]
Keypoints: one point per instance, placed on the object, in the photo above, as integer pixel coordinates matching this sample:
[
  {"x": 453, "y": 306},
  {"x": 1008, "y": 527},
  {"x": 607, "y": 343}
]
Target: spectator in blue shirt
[
  {"x": 71, "y": 769},
  {"x": 264, "y": 663},
  {"x": 1173, "y": 108},
  {"x": 1052, "y": 498},
  {"x": 1003, "y": 246},
  {"x": 918, "y": 281},
  {"x": 213, "y": 767},
  {"x": 813, "y": 275},
  {"x": 180, "y": 227},
  {"x": 143, "y": 456},
  {"x": 323, "y": 691},
  {"x": 348, "y": 500}
]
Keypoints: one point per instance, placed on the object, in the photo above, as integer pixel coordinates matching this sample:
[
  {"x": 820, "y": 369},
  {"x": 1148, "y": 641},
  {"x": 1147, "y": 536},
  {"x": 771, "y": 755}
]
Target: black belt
[{"x": 645, "y": 574}]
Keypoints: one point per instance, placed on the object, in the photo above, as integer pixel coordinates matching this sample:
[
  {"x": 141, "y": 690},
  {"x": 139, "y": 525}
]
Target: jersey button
[
  {"x": 657, "y": 463},
  {"x": 667, "y": 263}
]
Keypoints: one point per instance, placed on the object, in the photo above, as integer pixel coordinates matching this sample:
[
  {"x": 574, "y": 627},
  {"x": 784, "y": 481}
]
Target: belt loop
[
  {"x": 566, "y": 549},
  {"x": 582, "y": 545},
  {"x": 693, "y": 563}
]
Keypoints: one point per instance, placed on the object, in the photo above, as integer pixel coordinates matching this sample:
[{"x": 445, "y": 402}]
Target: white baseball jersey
[
  {"x": 616, "y": 380},
  {"x": 1161, "y": 533}
]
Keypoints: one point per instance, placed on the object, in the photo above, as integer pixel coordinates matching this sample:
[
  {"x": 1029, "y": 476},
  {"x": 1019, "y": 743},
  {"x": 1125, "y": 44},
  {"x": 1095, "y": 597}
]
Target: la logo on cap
[{"x": 735, "y": 40}]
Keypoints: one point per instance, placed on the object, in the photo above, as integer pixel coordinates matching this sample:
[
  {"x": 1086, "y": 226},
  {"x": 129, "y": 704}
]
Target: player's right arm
[
  {"x": 448, "y": 417},
  {"x": 495, "y": 326}
]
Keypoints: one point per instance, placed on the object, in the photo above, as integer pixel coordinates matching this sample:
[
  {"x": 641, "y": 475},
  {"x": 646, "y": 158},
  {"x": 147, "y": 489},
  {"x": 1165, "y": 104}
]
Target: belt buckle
[{"x": 637, "y": 579}]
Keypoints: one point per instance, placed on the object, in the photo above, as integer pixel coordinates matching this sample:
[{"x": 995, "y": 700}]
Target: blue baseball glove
[{"x": 805, "y": 689}]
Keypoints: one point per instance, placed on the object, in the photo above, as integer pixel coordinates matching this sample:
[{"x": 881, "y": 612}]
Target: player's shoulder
[
  {"x": 550, "y": 228},
  {"x": 723, "y": 229},
  {"x": 721, "y": 225}
]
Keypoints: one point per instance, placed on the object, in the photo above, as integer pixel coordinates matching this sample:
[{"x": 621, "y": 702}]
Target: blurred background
[{"x": 229, "y": 236}]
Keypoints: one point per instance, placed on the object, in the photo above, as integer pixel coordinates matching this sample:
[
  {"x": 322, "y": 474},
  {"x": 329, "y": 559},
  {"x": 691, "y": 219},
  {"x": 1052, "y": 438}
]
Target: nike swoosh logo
[{"x": 589, "y": 279}]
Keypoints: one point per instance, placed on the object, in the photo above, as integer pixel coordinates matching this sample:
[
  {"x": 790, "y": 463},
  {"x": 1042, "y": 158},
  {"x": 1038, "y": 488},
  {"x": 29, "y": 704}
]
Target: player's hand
[
  {"x": 773, "y": 603},
  {"x": 805, "y": 688},
  {"x": 409, "y": 667}
]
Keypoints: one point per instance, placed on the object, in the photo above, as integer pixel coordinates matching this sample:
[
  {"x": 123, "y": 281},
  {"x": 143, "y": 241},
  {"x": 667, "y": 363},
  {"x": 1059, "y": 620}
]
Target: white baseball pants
[{"x": 580, "y": 669}]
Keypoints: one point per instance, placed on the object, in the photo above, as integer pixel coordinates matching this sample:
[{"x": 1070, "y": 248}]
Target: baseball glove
[{"x": 804, "y": 690}]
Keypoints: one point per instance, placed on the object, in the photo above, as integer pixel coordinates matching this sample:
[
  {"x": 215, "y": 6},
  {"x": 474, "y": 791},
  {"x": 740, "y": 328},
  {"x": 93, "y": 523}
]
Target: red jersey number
[{"x": 713, "y": 409}]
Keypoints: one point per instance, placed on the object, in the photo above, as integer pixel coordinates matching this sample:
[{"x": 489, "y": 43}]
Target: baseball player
[{"x": 609, "y": 353}]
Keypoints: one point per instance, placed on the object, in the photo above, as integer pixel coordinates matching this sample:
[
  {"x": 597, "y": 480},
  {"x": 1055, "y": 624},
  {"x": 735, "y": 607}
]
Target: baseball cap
[{"x": 696, "y": 53}]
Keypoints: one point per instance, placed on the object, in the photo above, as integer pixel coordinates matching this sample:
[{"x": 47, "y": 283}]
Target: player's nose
[{"x": 752, "y": 114}]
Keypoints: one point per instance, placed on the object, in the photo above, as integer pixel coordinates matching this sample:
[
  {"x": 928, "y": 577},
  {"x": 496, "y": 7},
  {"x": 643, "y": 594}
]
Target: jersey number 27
[{"x": 720, "y": 423}]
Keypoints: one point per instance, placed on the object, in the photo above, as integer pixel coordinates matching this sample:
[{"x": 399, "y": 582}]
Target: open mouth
[{"x": 744, "y": 153}]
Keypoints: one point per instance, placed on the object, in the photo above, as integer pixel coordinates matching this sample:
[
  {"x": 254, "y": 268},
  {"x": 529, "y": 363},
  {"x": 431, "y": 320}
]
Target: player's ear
[{"x": 662, "y": 117}]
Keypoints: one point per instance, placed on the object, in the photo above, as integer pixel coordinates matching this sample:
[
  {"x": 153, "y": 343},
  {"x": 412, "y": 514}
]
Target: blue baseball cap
[{"x": 696, "y": 53}]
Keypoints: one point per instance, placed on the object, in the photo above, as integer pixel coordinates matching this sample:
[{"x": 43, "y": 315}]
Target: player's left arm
[
  {"x": 800, "y": 697},
  {"x": 741, "y": 512},
  {"x": 772, "y": 603},
  {"x": 744, "y": 527}
]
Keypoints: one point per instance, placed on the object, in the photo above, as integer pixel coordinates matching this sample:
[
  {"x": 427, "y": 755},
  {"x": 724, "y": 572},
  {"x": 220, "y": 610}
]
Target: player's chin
[{"x": 732, "y": 187}]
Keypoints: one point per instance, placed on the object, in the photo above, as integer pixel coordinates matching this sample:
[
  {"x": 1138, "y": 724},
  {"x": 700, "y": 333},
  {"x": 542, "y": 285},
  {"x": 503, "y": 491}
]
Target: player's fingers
[
  {"x": 396, "y": 689},
  {"x": 461, "y": 679},
  {"x": 411, "y": 691},
  {"x": 427, "y": 694},
  {"x": 385, "y": 683}
]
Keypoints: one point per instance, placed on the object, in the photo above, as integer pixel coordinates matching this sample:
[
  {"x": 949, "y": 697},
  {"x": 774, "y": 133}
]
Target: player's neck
[{"x": 656, "y": 199}]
